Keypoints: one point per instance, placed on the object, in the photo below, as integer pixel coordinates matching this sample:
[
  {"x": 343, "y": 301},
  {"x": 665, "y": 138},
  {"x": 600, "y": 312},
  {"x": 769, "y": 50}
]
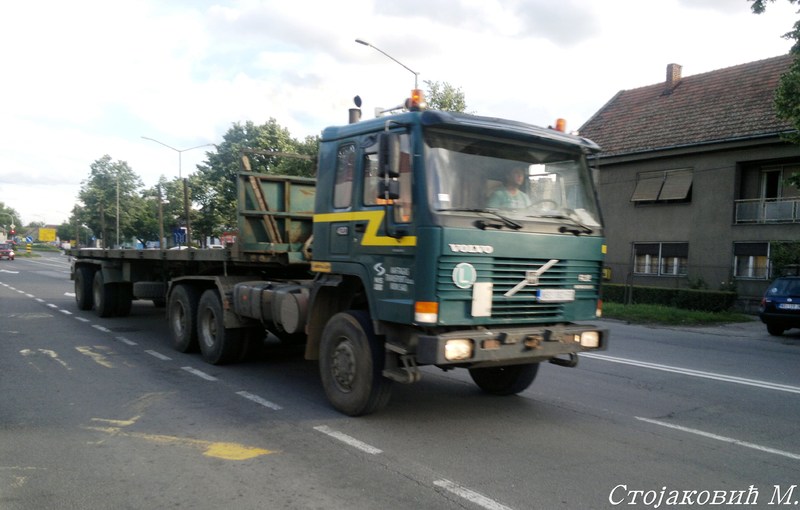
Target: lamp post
[
  {"x": 185, "y": 183},
  {"x": 415, "y": 73}
]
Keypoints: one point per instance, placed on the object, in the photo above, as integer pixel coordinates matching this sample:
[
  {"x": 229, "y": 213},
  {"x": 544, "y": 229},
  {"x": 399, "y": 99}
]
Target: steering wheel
[{"x": 553, "y": 203}]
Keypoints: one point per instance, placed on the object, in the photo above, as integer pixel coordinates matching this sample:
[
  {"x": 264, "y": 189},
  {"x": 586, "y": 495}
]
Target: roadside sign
[{"x": 47, "y": 235}]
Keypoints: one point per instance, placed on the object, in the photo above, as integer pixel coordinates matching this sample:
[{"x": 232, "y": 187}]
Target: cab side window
[
  {"x": 403, "y": 206},
  {"x": 371, "y": 177},
  {"x": 343, "y": 186}
]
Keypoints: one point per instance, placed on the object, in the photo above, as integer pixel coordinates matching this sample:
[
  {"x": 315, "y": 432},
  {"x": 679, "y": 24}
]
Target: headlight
[
  {"x": 590, "y": 339},
  {"x": 458, "y": 349}
]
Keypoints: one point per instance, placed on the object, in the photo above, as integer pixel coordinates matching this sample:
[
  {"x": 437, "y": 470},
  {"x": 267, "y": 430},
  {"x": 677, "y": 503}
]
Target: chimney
[{"x": 673, "y": 78}]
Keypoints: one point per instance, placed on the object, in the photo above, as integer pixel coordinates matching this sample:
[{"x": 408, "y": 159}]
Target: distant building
[{"x": 692, "y": 178}]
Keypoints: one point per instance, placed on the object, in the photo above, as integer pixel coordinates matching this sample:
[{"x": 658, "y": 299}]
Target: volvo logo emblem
[
  {"x": 531, "y": 278},
  {"x": 471, "y": 248}
]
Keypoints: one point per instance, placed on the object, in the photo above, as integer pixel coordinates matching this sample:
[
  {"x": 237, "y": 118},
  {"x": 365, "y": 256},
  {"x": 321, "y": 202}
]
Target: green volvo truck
[{"x": 393, "y": 258}]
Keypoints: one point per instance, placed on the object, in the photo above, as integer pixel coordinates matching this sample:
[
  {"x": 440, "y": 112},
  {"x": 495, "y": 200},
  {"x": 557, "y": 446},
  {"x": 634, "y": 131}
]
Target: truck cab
[{"x": 406, "y": 230}]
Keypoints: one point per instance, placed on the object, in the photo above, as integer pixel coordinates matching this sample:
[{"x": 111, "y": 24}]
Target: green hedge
[{"x": 690, "y": 299}]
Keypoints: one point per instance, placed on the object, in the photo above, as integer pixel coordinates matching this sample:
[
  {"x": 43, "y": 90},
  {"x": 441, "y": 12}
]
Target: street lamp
[
  {"x": 415, "y": 73},
  {"x": 185, "y": 183}
]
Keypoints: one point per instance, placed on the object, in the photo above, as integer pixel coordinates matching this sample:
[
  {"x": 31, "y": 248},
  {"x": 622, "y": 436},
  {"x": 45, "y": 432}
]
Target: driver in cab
[{"x": 511, "y": 195}]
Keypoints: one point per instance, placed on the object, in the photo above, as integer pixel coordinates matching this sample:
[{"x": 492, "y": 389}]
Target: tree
[
  {"x": 787, "y": 95},
  {"x": 78, "y": 231},
  {"x": 98, "y": 194},
  {"x": 214, "y": 184},
  {"x": 8, "y": 217},
  {"x": 785, "y": 257},
  {"x": 445, "y": 97}
]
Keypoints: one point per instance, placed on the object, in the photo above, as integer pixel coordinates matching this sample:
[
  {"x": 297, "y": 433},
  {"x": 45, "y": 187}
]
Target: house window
[
  {"x": 663, "y": 186},
  {"x": 764, "y": 196},
  {"x": 343, "y": 187},
  {"x": 751, "y": 260},
  {"x": 660, "y": 259}
]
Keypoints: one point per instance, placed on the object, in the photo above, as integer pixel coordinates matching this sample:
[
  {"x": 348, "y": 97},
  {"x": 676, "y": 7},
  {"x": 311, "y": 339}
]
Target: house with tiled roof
[{"x": 692, "y": 178}]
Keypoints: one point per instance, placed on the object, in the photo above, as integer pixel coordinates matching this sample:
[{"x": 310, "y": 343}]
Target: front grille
[{"x": 505, "y": 274}]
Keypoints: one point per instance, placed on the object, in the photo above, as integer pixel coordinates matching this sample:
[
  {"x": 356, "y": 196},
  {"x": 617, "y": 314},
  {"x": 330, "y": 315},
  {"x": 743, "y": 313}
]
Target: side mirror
[
  {"x": 388, "y": 190},
  {"x": 389, "y": 155}
]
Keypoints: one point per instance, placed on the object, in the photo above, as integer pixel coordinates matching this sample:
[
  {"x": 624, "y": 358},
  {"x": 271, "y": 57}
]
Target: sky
[{"x": 85, "y": 78}]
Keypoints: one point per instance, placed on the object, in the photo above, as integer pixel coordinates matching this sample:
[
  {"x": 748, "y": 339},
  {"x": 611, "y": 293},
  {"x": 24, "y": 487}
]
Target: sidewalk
[{"x": 750, "y": 330}]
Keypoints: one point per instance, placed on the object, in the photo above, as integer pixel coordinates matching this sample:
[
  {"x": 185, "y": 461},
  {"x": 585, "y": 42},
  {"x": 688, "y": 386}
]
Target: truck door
[
  {"x": 369, "y": 231},
  {"x": 383, "y": 239}
]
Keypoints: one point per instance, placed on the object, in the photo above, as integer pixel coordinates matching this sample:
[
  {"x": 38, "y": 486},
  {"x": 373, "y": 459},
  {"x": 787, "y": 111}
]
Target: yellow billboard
[{"x": 47, "y": 235}]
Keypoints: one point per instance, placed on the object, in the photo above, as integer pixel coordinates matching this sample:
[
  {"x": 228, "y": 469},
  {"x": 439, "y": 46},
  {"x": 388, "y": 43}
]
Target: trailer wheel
[
  {"x": 83, "y": 287},
  {"x": 218, "y": 345},
  {"x": 508, "y": 380},
  {"x": 182, "y": 316},
  {"x": 105, "y": 300},
  {"x": 123, "y": 293},
  {"x": 351, "y": 364}
]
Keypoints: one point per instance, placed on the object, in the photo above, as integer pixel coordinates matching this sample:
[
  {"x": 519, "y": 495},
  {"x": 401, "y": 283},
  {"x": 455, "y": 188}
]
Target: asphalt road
[{"x": 100, "y": 413}]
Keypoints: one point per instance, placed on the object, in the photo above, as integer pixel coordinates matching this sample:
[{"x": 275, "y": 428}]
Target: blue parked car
[{"x": 780, "y": 307}]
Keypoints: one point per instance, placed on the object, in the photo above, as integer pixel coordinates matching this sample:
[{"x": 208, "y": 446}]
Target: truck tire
[
  {"x": 83, "y": 287},
  {"x": 182, "y": 317},
  {"x": 105, "y": 300},
  {"x": 351, "y": 361},
  {"x": 218, "y": 345},
  {"x": 124, "y": 295},
  {"x": 508, "y": 380}
]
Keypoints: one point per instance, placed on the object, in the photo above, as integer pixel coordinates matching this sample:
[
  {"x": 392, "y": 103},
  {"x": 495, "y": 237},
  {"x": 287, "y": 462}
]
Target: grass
[{"x": 657, "y": 314}]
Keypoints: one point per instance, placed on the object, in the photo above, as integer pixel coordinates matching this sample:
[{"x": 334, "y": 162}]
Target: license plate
[
  {"x": 555, "y": 295},
  {"x": 789, "y": 306}
]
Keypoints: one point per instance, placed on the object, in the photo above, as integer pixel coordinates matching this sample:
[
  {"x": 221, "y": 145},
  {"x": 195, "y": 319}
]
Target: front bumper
[{"x": 508, "y": 346}]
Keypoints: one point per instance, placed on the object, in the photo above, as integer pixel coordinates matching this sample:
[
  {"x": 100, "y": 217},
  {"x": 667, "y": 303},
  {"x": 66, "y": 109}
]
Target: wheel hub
[{"x": 343, "y": 366}]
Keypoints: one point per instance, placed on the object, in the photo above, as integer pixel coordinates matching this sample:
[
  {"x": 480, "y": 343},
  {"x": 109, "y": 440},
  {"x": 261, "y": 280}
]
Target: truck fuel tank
[{"x": 283, "y": 304}]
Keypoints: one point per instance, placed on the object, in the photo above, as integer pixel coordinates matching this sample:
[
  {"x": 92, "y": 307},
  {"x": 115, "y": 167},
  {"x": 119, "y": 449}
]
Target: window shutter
[
  {"x": 676, "y": 185},
  {"x": 648, "y": 187}
]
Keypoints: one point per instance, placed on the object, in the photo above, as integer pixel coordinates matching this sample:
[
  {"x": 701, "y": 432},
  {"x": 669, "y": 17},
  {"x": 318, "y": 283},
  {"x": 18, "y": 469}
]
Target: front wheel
[
  {"x": 218, "y": 345},
  {"x": 351, "y": 360},
  {"x": 508, "y": 380}
]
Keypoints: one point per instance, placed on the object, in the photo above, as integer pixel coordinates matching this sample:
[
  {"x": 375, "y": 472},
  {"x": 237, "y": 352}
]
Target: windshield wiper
[
  {"x": 577, "y": 228},
  {"x": 482, "y": 224}
]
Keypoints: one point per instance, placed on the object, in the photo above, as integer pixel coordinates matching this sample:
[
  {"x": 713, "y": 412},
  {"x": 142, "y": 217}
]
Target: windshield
[{"x": 517, "y": 181}]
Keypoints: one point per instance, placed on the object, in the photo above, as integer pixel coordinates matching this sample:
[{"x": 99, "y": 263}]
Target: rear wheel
[
  {"x": 182, "y": 313},
  {"x": 105, "y": 302},
  {"x": 775, "y": 329},
  {"x": 83, "y": 287},
  {"x": 218, "y": 345},
  {"x": 508, "y": 380},
  {"x": 351, "y": 361},
  {"x": 123, "y": 293}
]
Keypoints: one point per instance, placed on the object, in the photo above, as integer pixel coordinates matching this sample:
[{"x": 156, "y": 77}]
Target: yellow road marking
[
  {"x": 47, "y": 352},
  {"x": 219, "y": 450},
  {"x": 96, "y": 356},
  {"x": 119, "y": 423}
]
